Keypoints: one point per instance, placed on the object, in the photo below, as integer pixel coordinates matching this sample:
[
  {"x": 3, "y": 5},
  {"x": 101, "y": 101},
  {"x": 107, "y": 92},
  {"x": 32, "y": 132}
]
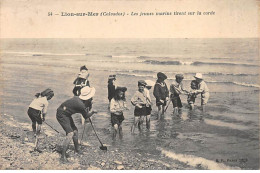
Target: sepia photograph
[{"x": 129, "y": 85}]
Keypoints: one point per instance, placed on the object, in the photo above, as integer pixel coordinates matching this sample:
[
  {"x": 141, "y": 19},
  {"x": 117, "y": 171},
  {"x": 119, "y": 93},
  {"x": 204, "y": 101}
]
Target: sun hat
[
  {"x": 179, "y": 76},
  {"x": 142, "y": 82},
  {"x": 161, "y": 75},
  {"x": 149, "y": 83},
  {"x": 198, "y": 75},
  {"x": 112, "y": 76},
  {"x": 87, "y": 92}
]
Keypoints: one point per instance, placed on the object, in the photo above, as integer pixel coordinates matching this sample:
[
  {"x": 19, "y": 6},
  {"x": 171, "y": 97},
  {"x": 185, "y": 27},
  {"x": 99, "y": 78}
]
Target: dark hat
[
  {"x": 112, "y": 76},
  {"x": 161, "y": 75},
  {"x": 83, "y": 67},
  {"x": 179, "y": 76},
  {"x": 47, "y": 92},
  {"x": 124, "y": 89},
  {"x": 142, "y": 82}
]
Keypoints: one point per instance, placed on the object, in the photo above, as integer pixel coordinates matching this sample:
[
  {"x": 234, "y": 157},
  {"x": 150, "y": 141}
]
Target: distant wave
[
  {"x": 222, "y": 63},
  {"x": 236, "y": 83},
  {"x": 124, "y": 56},
  {"x": 196, "y": 63},
  {"x": 45, "y": 53},
  {"x": 185, "y": 74},
  {"x": 162, "y": 62}
]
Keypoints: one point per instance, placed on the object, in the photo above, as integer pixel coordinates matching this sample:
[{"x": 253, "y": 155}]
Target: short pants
[
  {"x": 176, "y": 102},
  {"x": 140, "y": 111},
  {"x": 158, "y": 103},
  {"x": 148, "y": 110},
  {"x": 191, "y": 99},
  {"x": 35, "y": 115},
  {"x": 117, "y": 119},
  {"x": 66, "y": 122}
]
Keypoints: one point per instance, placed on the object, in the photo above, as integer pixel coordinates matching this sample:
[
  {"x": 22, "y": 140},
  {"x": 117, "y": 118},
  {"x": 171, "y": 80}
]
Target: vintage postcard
[{"x": 129, "y": 85}]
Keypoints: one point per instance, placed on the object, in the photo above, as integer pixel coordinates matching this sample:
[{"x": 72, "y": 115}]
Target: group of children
[
  {"x": 142, "y": 100},
  {"x": 83, "y": 96}
]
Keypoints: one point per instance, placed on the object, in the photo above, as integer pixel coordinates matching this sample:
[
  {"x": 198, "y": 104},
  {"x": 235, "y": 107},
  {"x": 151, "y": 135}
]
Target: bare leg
[
  {"x": 65, "y": 146},
  {"x": 115, "y": 131},
  {"x": 175, "y": 111},
  {"x": 76, "y": 141},
  {"x": 148, "y": 122},
  {"x": 159, "y": 112},
  {"x": 140, "y": 124},
  {"x": 203, "y": 108},
  {"x": 136, "y": 121},
  {"x": 162, "y": 114},
  {"x": 38, "y": 129},
  {"x": 120, "y": 132}
]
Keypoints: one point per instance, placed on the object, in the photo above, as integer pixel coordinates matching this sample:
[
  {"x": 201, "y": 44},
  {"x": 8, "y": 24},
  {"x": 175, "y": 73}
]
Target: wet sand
[{"x": 17, "y": 153}]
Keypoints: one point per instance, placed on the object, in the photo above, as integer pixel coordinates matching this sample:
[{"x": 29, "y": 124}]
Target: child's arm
[{"x": 135, "y": 102}]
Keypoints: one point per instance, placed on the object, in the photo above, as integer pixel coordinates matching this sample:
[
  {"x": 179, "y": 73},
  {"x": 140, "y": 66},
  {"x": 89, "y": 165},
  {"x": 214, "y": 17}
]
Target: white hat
[
  {"x": 198, "y": 75},
  {"x": 87, "y": 92},
  {"x": 150, "y": 83}
]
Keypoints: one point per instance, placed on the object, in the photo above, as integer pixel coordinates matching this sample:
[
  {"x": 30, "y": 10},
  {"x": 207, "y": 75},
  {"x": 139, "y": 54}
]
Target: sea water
[{"x": 225, "y": 137}]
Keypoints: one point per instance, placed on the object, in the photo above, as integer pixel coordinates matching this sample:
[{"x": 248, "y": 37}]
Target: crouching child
[{"x": 78, "y": 104}]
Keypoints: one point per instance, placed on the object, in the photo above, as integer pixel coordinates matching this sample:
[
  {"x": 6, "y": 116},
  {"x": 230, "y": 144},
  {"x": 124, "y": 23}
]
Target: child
[
  {"x": 176, "y": 89},
  {"x": 79, "y": 104},
  {"x": 38, "y": 109},
  {"x": 149, "y": 85},
  {"x": 161, "y": 93},
  {"x": 81, "y": 81},
  {"x": 192, "y": 96},
  {"x": 203, "y": 89},
  {"x": 117, "y": 106},
  {"x": 111, "y": 87},
  {"x": 139, "y": 100}
]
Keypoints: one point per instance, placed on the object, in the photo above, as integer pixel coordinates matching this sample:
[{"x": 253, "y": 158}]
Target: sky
[{"x": 29, "y": 19}]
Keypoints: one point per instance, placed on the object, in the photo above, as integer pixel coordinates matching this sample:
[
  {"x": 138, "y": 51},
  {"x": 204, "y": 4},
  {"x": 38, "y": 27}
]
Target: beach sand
[{"x": 17, "y": 153}]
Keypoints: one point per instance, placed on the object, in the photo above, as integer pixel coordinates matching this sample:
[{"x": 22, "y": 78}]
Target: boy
[
  {"x": 192, "y": 96},
  {"x": 161, "y": 93},
  {"x": 78, "y": 104},
  {"x": 149, "y": 85},
  {"x": 176, "y": 89}
]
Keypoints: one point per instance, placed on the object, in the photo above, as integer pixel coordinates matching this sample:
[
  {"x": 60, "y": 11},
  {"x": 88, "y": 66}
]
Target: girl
[
  {"x": 38, "y": 109},
  {"x": 117, "y": 106}
]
